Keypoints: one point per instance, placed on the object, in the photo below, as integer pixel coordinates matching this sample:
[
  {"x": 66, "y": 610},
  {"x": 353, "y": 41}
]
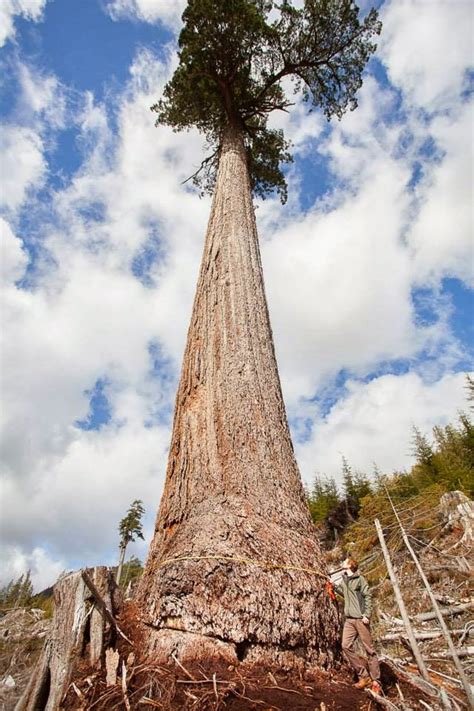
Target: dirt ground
[
  {"x": 217, "y": 689},
  {"x": 214, "y": 686},
  {"x": 220, "y": 688}
]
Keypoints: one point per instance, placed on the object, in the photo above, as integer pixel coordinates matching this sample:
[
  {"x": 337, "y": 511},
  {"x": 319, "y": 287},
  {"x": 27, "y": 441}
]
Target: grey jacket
[{"x": 357, "y": 595}]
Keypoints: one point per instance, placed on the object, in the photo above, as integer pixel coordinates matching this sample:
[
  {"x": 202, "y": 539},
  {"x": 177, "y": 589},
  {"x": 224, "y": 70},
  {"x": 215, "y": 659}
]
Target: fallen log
[
  {"x": 463, "y": 652},
  {"x": 431, "y": 634},
  {"x": 412, "y": 679},
  {"x": 445, "y": 611},
  {"x": 78, "y": 631}
]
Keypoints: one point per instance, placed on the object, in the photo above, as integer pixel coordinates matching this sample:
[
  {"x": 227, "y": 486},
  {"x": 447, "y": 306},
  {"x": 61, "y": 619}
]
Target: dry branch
[
  {"x": 461, "y": 652},
  {"x": 445, "y": 611},
  {"x": 393, "y": 635},
  {"x": 102, "y": 605}
]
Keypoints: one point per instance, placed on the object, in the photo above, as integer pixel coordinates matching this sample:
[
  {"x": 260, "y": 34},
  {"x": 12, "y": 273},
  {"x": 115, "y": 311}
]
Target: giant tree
[{"x": 232, "y": 569}]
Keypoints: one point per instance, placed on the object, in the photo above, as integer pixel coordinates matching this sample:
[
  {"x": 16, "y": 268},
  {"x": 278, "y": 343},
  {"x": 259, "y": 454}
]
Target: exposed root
[{"x": 199, "y": 689}]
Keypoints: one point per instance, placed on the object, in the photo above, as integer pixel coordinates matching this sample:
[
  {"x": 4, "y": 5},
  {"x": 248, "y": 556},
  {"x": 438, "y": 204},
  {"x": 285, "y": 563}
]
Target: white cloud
[
  {"x": 427, "y": 47},
  {"x": 77, "y": 499},
  {"x": 44, "y": 569},
  {"x": 441, "y": 236},
  {"x": 167, "y": 11},
  {"x": 340, "y": 277},
  {"x": 29, "y": 9},
  {"x": 42, "y": 99},
  {"x": 89, "y": 317},
  {"x": 13, "y": 258},
  {"x": 23, "y": 164},
  {"x": 373, "y": 423}
]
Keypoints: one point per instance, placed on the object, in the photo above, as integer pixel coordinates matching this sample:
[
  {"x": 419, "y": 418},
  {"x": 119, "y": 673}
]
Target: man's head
[{"x": 350, "y": 565}]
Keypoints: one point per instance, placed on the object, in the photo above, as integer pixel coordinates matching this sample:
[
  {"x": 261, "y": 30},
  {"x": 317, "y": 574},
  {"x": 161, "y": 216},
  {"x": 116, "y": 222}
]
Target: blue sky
[{"x": 368, "y": 268}]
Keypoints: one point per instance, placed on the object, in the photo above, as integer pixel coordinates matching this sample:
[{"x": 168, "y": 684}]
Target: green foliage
[
  {"x": 444, "y": 464},
  {"x": 17, "y": 593},
  {"x": 131, "y": 571},
  {"x": 449, "y": 461},
  {"x": 322, "y": 498},
  {"x": 356, "y": 484},
  {"x": 130, "y": 526},
  {"x": 233, "y": 59},
  {"x": 470, "y": 390},
  {"x": 45, "y": 603}
]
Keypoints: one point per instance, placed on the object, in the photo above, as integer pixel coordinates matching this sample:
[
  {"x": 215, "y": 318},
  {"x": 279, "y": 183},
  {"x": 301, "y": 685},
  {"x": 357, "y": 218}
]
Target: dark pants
[{"x": 353, "y": 629}]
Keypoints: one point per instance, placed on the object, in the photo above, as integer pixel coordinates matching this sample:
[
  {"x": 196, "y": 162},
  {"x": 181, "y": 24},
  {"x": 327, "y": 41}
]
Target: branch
[
  {"x": 201, "y": 167},
  {"x": 101, "y": 605}
]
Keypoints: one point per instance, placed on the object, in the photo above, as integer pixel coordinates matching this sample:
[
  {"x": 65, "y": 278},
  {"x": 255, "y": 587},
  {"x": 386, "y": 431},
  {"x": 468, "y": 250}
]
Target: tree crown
[
  {"x": 130, "y": 526},
  {"x": 233, "y": 59}
]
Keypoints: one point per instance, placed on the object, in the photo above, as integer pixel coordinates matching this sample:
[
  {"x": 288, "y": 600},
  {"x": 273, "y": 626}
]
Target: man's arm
[{"x": 367, "y": 597}]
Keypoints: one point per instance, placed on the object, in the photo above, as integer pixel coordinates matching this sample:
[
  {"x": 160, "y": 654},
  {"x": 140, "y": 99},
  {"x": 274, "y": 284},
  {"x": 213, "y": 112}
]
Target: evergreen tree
[
  {"x": 234, "y": 58},
  {"x": 130, "y": 528},
  {"x": 131, "y": 571},
  {"x": 470, "y": 390},
  {"x": 17, "y": 593},
  {"x": 323, "y": 497},
  {"x": 356, "y": 484}
]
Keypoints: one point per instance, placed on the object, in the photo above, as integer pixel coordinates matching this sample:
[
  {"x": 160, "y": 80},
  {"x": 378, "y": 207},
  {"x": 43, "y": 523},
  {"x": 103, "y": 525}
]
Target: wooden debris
[
  {"x": 75, "y": 634},
  {"x": 112, "y": 658},
  {"x": 393, "y": 635},
  {"x": 458, "y": 510},
  {"x": 401, "y": 605},
  {"x": 462, "y": 652},
  {"x": 445, "y": 611},
  {"x": 426, "y": 687},
  {"x": 383, "y": 702},
  {"x": 124, "y": 687},
  {"x": 102, "y": 605}
]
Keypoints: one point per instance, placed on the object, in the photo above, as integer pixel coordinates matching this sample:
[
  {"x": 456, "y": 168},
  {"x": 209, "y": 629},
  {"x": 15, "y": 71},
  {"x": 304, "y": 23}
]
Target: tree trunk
[
  {"x": 78, "y": 632},
  {"x": 123, "y": 548},
  {"x": 233, "y": 490}
]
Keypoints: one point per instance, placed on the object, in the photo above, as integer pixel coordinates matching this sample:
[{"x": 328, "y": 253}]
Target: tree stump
[
  {"x": 78, "y": 632},
  {"x": 458, "y": 510}
]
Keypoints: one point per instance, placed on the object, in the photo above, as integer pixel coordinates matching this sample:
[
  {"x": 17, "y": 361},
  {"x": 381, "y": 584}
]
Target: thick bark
[
  {"x": 78, "y": 632},
  {"x": 233, "y": 488}
]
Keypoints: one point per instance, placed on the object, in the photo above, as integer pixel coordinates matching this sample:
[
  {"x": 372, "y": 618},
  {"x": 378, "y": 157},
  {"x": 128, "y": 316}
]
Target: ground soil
[{"x": 214, "y": 686}]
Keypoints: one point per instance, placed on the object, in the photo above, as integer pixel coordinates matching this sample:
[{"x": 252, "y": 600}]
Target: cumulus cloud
[
  {"x": 105, "y": 306},
  {"x": 166, "y": 11},
  {"x": 23, "y": 164},
  {"x": 340, "y": 276},
  {"x": 441, "y": 235},
  {"x": 373, "y": 423},
  {"x": 44, "y": 569},
  {"x": 14, "y": 259},
  {"x": 28, "y": 9},
  {"x": 427, "y": 48},
  {"x": 41, "y": 100}
]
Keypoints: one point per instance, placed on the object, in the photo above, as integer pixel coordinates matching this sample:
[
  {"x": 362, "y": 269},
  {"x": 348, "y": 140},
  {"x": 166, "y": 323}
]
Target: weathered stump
[
  {"x": 79, "y": 631},
  {"x": 458, "y": 510}
]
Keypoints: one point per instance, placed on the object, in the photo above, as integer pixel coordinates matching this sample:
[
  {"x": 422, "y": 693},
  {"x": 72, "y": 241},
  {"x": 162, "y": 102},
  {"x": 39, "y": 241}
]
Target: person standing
[{"x": 357, "y": 609}]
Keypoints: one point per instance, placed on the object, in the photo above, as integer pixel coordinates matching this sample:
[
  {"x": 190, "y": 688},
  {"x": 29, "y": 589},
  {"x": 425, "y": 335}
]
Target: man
[{"x": 357, "y": 609}]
